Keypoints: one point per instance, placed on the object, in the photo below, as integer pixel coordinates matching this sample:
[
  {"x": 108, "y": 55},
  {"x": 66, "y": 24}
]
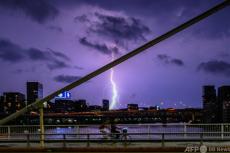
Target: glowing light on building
[
  {"x": 64, "y": 95},
  {"x": 114, "y": 88}
]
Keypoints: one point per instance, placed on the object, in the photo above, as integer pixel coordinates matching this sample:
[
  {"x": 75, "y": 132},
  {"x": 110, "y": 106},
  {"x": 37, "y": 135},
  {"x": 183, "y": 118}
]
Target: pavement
[
  {"x": 97, "y": 149},
  {"x": 110, "y": 147}
]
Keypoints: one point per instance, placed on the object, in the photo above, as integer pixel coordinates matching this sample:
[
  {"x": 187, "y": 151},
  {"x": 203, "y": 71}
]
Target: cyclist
[
  {"x": 115, "y": 130},
  {"x": 104, "y": 130}
]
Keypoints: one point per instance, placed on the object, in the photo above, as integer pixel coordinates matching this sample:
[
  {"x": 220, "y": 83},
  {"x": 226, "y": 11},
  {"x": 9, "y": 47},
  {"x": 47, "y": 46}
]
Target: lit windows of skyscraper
[
  {"x": 34, "y": 91},
  {"x": 13, "y": 101}
]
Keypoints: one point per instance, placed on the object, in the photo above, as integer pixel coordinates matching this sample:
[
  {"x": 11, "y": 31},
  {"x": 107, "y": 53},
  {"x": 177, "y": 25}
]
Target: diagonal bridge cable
[{"x": 119, "y": 60}]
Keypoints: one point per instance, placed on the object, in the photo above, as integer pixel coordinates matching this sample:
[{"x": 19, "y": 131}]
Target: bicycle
[{"x": 123, "y": 136}]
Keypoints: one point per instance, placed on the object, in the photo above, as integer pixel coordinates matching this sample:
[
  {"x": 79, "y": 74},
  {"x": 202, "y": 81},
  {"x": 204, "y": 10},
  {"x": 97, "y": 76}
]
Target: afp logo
[{"x": 201, "y": 149}]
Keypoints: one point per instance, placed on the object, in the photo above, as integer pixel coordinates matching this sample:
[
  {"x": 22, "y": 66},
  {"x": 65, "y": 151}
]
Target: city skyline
[
  {"x": 34, "y": 90},
  {"x": 71, "y": 39},
  {"x": 216, "y": 104}
]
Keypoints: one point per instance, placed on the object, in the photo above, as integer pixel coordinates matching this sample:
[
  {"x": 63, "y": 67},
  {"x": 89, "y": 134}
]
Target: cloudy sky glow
[{"x": 57, "y": 42}]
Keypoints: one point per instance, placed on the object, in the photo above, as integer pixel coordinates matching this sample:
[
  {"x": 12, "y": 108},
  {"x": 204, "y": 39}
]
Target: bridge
[
  {"x": 39, "y": 103},
  {"x": 150, "y": 136}
]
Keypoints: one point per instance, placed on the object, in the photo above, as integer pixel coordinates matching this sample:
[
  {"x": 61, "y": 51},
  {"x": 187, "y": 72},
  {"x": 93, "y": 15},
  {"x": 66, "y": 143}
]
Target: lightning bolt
[{"x": 114, "y": 87}]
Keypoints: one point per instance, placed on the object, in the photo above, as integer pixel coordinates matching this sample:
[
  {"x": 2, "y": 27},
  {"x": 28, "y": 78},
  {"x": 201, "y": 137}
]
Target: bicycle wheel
[{"x": 126, "y": 139}]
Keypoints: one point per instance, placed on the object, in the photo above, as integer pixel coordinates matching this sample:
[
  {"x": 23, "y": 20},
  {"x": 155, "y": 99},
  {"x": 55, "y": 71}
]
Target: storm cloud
[
  {"x": 169, "y": 60},
  {"x": 115, "y": 26},
  {"x": 56, "y": 64},
  {"x": 14, "y": 53},
  {"x": 66, "y": 78},
  {"x": 216, "y": 67},
  {"x": 38, "y": 10},
  {"x": 103, "y": 48},
  {"x": 58, "y": 54},
  {"x": 177, "y": 12},
  {"x": 10, "y": 52}
]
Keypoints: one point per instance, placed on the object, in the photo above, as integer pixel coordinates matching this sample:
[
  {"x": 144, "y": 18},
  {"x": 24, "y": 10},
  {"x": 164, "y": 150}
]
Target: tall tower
[
  {"x": 34, "y": 91},
  {"x": 105, "y": 105},
  {"x": 210, "y": 105},
  {"x": 224, "y": 100}
]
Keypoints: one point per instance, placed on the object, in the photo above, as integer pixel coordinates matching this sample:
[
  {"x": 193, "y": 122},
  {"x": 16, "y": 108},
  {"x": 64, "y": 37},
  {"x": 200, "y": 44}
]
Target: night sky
[{"x": 57, "y": 42}]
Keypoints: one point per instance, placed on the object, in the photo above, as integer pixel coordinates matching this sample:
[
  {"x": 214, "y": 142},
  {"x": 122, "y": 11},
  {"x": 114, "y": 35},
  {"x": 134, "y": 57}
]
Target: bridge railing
[
  {"x": 212, "y": 130},
  {"x": 93, "y": 139}
]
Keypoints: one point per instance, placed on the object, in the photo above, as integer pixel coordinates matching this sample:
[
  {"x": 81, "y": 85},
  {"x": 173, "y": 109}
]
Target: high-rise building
[
  {"x": 13, "y": 101},
  {"x": 210, "y": 105},
  {"x": 105, "y": 105},
  {"x": 34, "y": 91},
  {"x": 224, "y": 100}
]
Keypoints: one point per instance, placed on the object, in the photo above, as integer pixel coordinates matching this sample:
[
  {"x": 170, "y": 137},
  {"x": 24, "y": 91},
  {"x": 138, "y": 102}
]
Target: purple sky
[{"x": 56, "y": 42}]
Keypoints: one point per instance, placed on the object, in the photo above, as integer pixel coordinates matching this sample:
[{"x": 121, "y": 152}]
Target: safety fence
[
  {"x": 212, "y": 130},
  {"x": 124, "y": 139}
]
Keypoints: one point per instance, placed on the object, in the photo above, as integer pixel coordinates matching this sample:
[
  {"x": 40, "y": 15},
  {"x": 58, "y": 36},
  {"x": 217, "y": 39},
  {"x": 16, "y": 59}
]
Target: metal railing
[
  {"x": 89, "y": 139},
  {"x": 185, "y": 131},
  {"x": 132, "y": 128}
]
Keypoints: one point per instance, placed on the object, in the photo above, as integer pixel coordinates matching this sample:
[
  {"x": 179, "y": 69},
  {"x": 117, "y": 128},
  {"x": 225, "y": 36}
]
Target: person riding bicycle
[
  {"x": 115, "y": 130},
  {"x": 104, "y": 130}
]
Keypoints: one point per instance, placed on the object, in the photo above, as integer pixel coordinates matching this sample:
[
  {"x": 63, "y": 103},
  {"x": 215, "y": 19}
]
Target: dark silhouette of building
[
  {"x": 210, "y": 105},
  {"x": 80, "y": 105},
  {"x": 13, "y": 101},
  {"x": 224, "y": 100},
  {"x": 64, "y": 105},
  {"x": 154, "y": 107},
  {"x": 105, "y": 105},
  {"x": 94, "y": 108},
  {"x": 132, "y": 107},
  {"x": 34, "y": 91},
  {"x": 143, "y": 108}
]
